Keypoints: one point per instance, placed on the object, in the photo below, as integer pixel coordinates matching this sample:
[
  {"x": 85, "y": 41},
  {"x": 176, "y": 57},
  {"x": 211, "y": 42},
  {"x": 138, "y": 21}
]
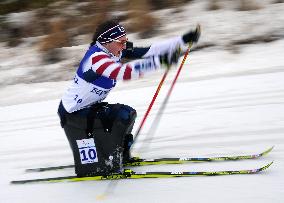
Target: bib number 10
[
  {"x": 87, "y": 150},
  {"x": 88, "y": 154}
]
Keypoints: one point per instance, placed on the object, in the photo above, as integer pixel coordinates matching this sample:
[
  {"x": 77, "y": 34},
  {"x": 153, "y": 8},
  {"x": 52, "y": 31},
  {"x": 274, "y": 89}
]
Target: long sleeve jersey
[{"x": 99, "y": 71}]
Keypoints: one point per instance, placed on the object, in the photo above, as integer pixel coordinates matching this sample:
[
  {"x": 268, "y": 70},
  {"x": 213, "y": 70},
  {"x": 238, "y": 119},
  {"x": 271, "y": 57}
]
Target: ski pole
[
  {"x": 150, "y": 106},
  {"x": 157, "y": 119}
]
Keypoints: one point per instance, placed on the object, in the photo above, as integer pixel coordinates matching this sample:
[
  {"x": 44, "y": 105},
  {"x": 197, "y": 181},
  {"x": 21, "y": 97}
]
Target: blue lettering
[
  {"x": 83, "y": 152},
  {"x": 92, "y": 154},
  {"x": 99, "y": 92},
  {"x": 79, "y": 100}
]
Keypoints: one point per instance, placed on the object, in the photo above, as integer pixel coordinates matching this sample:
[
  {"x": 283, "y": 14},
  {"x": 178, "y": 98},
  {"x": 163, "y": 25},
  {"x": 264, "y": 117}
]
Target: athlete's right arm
[{"x": 102, "y": 64}]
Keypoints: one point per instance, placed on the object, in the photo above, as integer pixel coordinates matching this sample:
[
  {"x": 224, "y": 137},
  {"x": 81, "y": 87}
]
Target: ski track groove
[
  {"x": 192, "y": 79},
  {"x": 42, "y": 149},
  {"x": 217, "y": 100},
  {"x": 268, "y": 137},
  {"x": 30, "y": 119},
  {"x": 210, "y": 144},
  {"x": 217, "y": 107},
  {"x": 57, "y": 125},
  {"x": 34, "y": 157},
  {"x": 221, "y": 134}
]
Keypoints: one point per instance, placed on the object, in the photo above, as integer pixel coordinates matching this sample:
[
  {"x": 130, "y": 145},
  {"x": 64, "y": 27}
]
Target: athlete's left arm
[
  {"x": 156, "y": 49},
  {"x": 132, "y": 52},
  {"x": 162, "y": 47}
]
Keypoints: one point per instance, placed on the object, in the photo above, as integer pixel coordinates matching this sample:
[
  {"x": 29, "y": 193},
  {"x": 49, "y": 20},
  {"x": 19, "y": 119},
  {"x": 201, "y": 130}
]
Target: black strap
[
  {"x": 109, "y": 118},
  {"x": 92, "y": 116},
  {"x": 62, "y": 114}
]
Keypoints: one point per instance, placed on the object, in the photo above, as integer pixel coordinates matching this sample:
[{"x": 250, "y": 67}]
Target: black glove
[
  {"x": 168, "y": 59},
  {"x": 192, "y": 36},
  {"x": 129, "y": 46}
]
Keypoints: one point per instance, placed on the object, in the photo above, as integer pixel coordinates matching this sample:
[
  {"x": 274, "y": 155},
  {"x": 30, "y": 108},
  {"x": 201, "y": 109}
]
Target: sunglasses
[{"x": 122, "y": 42}]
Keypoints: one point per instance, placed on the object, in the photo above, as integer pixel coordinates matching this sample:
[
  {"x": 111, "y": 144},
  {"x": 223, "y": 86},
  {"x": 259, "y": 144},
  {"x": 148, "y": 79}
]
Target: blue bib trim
[{"x": 92, "y": 77}]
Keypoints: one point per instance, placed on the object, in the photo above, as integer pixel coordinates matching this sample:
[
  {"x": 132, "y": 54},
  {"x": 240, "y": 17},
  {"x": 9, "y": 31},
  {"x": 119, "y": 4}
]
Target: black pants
[{"x": 99, "y": 137}]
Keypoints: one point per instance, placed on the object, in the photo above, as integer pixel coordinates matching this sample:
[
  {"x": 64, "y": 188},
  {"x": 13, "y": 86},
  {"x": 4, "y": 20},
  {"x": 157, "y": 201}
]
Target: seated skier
[{"x": 99, "y": 133}]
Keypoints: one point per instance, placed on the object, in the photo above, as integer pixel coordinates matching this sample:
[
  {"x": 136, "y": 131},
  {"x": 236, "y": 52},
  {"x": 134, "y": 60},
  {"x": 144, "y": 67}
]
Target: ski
[
  {"x": 130, "y": 174},
  {"x": 136, "y": 161}
]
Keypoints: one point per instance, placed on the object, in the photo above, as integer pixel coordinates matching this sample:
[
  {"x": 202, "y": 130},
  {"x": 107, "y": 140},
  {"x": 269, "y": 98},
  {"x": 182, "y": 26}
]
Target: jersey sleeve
[
  {"x": 166, "y": 46},
  {"x": 103, "y": 65},
  {"x": 157, "y": 48}
]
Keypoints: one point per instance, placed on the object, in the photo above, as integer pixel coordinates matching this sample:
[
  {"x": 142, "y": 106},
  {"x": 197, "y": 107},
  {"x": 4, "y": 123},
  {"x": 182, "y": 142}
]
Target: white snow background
[{"x": 223, "y": 104}]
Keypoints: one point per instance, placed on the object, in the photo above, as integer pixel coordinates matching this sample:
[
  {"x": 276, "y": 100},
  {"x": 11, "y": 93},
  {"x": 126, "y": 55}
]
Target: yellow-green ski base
[{"x": 130, "y": 174}]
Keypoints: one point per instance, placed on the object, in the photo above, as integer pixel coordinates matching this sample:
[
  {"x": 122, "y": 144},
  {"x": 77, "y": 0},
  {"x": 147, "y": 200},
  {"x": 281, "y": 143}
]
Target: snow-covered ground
[{"x": 224, "y": 103}]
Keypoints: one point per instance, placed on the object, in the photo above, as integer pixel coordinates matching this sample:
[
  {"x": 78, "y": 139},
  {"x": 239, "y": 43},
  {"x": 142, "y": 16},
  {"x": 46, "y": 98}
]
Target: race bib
[{"x": 87, "y": 150}]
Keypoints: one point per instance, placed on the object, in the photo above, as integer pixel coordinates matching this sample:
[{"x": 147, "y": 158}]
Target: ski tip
[
  {"x": 271, "y": 148},
  {"x": 267, "y": 166},
  {"x": 30, "y": 170},
  {"x": 268, "y": 150},
  {"x": 261, "y": 169}
]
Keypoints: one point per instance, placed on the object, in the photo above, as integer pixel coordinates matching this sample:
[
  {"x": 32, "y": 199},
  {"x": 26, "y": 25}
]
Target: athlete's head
[{"x": 112, "y": 36}]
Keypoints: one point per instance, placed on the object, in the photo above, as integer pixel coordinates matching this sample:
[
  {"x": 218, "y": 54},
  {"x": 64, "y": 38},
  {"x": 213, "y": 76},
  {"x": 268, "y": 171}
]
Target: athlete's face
[{"x": 116, "y": 46}]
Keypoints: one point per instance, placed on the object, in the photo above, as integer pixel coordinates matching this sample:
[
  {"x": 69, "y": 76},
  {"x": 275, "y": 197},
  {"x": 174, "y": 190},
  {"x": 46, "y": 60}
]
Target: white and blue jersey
[{"x": 99, "y": 71}]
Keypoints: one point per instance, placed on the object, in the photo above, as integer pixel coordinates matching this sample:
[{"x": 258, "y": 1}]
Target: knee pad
[{"x": 126, "y": 113}]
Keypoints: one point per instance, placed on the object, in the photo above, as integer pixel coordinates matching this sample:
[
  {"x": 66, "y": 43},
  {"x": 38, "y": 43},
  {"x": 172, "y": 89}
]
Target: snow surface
[{"x": 223, "y": 104}]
